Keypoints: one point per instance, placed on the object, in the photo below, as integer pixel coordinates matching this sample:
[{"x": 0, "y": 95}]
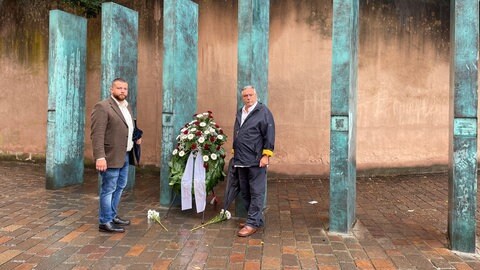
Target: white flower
[
  {"x": 201, "y": 140},
  {"x": 227, "y": 213},
  {"x": 213, "y": 123},
  {"x": 205, "y": 113},
  {"x": 205, "y": 158},
  {"x": 190, "y": 136},
  {"x": 212, "y": 130},
  {"x": 213, "y": 156},
  {"x": 220, "y": 137},
  {"x": 183, "y": 137},
  {"x": 174, "y": 152},
  {"x": 206, "y": 132},
  {"x": 202, "y": 124},
  {"x": 181, "y": 153},
  {"x": 193, "y": 129},
  {"x": 152, "y": 214},
  {"x": 199, "y": 115}
]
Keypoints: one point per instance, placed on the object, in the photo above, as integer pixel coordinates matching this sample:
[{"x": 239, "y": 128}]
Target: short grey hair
[{"x": 249, "y": 87}]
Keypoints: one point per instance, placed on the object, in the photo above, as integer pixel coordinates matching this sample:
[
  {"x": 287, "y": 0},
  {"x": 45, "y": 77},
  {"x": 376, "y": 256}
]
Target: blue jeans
[{"x": 114, "y": 180}]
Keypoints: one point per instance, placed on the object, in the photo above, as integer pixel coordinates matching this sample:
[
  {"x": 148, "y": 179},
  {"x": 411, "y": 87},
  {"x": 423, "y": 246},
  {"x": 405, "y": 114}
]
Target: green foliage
[{"x": 88, "y": 8}]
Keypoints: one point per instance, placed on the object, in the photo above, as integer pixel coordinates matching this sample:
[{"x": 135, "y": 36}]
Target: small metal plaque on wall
[
  {"x": 339, "y": 123},
  {"x": 465, "y": 127}
]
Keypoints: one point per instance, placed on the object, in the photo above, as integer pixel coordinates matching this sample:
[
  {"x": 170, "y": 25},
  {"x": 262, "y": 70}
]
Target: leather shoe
[
  {"x": 246, "y": 231},
  {"x": 110, "y": 227},
  {"x": 122, "y": 222}
]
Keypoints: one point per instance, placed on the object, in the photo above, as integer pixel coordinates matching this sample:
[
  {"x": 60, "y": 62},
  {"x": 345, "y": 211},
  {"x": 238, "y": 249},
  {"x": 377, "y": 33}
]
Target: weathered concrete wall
[{"x": 402, "y": 91}]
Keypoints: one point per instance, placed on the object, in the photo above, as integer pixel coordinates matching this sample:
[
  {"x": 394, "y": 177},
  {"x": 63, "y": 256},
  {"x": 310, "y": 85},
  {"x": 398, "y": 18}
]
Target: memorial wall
[{"x": 403, "y": 79}]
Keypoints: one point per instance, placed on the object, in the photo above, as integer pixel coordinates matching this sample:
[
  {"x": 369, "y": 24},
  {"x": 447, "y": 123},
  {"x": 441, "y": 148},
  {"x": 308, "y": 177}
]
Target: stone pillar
[
  {"x": 462, "y": 180},
  {"x": 180, "y": 58},
  {"x": 252, "y": 68},
  {"x": 343, "y": 115},
  {"x": 66, "y": 99},
  {"x": 120, "y": 56}
]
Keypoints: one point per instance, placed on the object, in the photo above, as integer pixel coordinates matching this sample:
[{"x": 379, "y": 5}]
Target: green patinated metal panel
[
  {"x": 252, "y": 66},
  {"x": 66, "y": 99},
  {"x": 462, "y": 195},
  {"x": 120, "y": 56},
  {"x": 253, "y": 31},
  {"x": 343, "y": 115},
  {"x": 180, "y": 61}
]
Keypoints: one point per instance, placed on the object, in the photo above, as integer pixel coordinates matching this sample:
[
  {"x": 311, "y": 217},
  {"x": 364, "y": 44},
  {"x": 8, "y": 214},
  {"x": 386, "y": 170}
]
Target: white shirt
[
  {"x": 245, "y": 113},
  {"x": 126, "y": 114}
]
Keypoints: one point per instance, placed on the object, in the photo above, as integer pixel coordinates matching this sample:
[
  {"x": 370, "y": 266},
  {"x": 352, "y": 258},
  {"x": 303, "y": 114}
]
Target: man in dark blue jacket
[{"x": 253, "y": 143}]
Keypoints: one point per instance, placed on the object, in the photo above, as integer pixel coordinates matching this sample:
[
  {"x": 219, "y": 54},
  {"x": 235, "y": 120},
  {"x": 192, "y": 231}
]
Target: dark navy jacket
[{"x": 254, "y": 138}]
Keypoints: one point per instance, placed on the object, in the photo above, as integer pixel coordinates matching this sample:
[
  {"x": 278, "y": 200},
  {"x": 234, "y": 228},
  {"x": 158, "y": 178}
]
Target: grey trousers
[{"x": 252, "y": 186}]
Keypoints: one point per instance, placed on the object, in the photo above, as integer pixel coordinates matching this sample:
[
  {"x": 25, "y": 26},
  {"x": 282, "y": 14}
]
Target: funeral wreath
[{"x": 203, "y": 138}]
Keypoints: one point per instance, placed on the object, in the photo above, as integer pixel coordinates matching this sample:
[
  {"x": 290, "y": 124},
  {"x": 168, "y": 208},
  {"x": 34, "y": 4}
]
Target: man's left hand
[
  {"x": 139, "y": 141},
  {"x": 264, "y": 161}
]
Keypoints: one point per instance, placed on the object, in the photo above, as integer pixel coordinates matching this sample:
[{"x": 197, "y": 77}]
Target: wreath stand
[{"x": 206, "y": 196}]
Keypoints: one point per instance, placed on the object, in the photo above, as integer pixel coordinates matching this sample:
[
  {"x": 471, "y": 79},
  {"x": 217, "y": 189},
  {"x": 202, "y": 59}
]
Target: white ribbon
[
  {"x": 194, "y": 170},
  {"x": 199, "y": 184},
  {"x": 187, "y": 184}
]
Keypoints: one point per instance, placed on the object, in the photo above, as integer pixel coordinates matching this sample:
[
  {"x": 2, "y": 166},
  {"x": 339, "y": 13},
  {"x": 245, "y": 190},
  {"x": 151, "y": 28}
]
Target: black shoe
[
  {"x": 110, "y": 227},
  {"x": 122, "y": 222}
]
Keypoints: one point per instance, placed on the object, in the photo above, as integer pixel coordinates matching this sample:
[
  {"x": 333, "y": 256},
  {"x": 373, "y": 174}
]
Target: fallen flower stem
[
  {"x": 218, "y": 218},
  {"x": 158, "y": 220}
]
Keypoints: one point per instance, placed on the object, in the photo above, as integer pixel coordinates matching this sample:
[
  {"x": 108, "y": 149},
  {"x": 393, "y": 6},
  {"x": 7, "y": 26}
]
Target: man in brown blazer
[{"x": 111, "y": 134}]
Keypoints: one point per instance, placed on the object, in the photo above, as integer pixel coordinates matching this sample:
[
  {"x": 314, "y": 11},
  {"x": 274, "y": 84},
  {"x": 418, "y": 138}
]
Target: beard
[{"x": 120, "y": 97}]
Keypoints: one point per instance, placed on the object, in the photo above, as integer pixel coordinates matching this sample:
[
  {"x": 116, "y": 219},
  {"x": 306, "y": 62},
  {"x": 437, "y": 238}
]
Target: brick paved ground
[{"x": 401, "y": 224}]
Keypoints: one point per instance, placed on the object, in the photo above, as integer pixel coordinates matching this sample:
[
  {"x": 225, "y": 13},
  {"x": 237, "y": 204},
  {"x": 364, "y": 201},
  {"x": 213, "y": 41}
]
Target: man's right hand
[{"x": 101, "y": 165}]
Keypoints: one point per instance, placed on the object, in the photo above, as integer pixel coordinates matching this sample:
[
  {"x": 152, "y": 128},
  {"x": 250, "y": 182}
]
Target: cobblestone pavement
[{"x": 401, "y": 224}]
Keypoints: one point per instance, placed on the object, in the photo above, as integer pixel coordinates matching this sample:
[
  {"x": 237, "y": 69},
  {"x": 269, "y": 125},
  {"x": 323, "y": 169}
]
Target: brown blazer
[{"x": 109, "y": 133}]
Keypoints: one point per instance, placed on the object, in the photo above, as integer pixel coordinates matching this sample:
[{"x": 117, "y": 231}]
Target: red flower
[
  {"x": 205, "y": 165},
  {"x": 220, "y": 131},
  {"x": 212, "y": 139},
  {"x": 217, "y": 126},
  {"x": 185, "y": 132},
  {"x": 218, "y": 147},
  {"x": 209, "y": 112},
  {"x": 206, "y": 146},
  {"x": 198, "y": 133},
  {"x": 194, "y": 146}
]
